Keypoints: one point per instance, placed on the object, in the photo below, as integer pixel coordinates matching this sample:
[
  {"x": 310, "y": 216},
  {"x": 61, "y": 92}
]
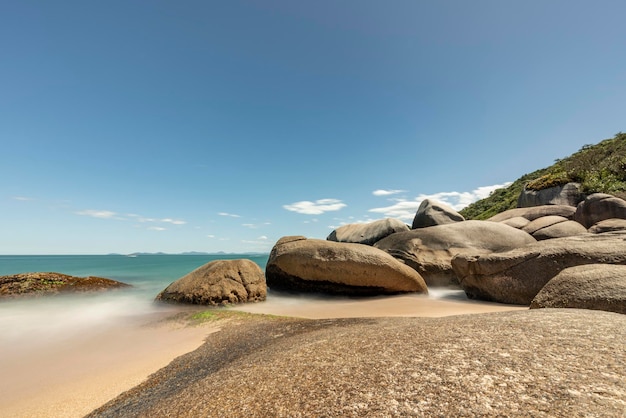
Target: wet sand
[
  {"x": 440, "y": 302},
  {"x": 71, "y": 376}
]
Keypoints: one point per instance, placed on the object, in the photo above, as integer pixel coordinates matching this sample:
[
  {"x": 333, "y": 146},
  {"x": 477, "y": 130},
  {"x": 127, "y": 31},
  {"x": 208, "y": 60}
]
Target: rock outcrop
[
  {"x": 592, "y": 286},
  {"x": 431, "y": 213},
  {"x": 49, "y": 283},
  {"x": 312, "y": 265},
  {"x": 218, "y": 282},
  {"x": 548, "y": 227},
  {"x": 430, "y": 250},
  {"x": 599, "y": 207},
  {"x": 568, "y": 194},
  {"x": 535, "y": 212},
  {"x": 369, "y": 233},
  {"x": 531, "y": 363},
  {"x": 517, "y": 276},
  {"x": 608, "y": 225}
]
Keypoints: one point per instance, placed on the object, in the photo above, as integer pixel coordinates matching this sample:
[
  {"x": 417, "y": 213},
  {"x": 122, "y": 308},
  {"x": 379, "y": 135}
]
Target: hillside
[{"x": 599, "y": 168}]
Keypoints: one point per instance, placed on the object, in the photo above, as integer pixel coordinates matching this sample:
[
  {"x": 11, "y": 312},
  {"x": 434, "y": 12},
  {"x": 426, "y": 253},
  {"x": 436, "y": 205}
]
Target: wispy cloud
[
  {"x": 210, "y": 236},
  {"x": 22, "y": 198},
  {"x": 261, "y": 242},
  {"x": 108, "y": 214},
  {"x": 315, "y": 208},
  {"x": 405, "y": 209},
  {"x": 383, "y": 192},
  {"x": 256, "y": 226},
  {"x": 173, "y": 221},
  {"x": 232, "y": 215},
  {"x": 100, "y": 214}
]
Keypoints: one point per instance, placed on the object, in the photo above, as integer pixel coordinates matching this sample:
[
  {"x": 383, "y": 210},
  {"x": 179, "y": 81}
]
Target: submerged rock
[
  {"x": 50, "y": 283},
  {"x": 218, "y": 282}
]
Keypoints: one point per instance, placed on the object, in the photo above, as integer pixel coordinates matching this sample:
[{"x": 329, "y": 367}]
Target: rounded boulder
[
  {"x": 219, "y": 282},
  {"x": 313, "y": 265}
]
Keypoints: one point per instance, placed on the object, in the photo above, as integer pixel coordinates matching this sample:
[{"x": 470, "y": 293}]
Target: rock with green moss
[
  {"x": 569, "y": 194},
  {"x": 50, "y": 283}
]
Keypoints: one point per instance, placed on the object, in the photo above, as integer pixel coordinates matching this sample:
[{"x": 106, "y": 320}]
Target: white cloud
[
  {"x": 405, "y": 209},
  {"x": 315, "y": 208},
  {"x": 262, "y": 237},
  {"x": 382, "y": 192},
  {"x": 232, "y": 215},
  {"x": 22, "y": 198},
  {"x": 100, "y": 214},
  {"x": 156, "y": 228},
  {"x": 143, "y": 219},
  {"x": 174, "y": 221},
  {"x": 210, "y": 236}
]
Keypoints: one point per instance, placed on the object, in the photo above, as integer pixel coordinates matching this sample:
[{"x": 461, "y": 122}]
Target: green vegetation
[
  {"x": 224, "y": 313},
  {"x": 599, "y": 168}
]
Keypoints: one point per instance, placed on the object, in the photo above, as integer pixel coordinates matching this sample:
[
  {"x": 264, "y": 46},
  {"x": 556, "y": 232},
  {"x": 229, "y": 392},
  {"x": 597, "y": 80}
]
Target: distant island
[{"x": 218, "y": 253}]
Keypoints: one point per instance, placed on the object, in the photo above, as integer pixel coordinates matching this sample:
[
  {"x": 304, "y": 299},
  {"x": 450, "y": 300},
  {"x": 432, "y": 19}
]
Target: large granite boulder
[
  {"x": 569, "y": 194},
  {"x": 599, "y": 207},
  {"x": 367, "y": 233},
  {"x": 548, "y": 227},
  {"x": 430, "y": 250},
  {"x": 535, "y": 212},
  {"x": 608, "y": 225},
  {"x": 312, "y": 265},
  {"x": 593, "y": 286},
  {"x": 50, "y": 283},
  {"x": 431, "y": 213},
  {"x": 517, "y": 276},
  {"x": 218, "y": 282}
]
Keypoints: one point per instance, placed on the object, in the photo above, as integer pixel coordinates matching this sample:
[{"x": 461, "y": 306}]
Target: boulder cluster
[{"x": 565, "y": 251}]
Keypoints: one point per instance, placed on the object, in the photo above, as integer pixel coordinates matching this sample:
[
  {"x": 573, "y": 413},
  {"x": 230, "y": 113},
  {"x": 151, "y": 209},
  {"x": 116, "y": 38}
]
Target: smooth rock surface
[
  {"x": 431, "y": 213},
  {"x": 592, "y": 286},
  {"x": 219, "y": 282},
  {"x": 535, "y": 212},
  {"x": 599, "y": 207},
  {"x": 517, "y": 276},
  {"x": 540, "y": 363},
  {"x": 568, "y": 194},
  {"x": 369, "y": 233},
  {"x": 608, "y": 225},
  {"x": 430, "y": 250},
  {"x": 313, "y": 265}
]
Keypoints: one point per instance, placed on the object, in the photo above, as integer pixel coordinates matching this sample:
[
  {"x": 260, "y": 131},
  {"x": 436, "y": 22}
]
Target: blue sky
[{"x": 206, "y": 126}]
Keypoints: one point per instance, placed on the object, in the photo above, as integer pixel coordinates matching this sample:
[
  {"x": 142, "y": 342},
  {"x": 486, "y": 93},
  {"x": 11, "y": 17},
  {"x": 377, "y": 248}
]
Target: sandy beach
[{"x": 72, "y": 375}]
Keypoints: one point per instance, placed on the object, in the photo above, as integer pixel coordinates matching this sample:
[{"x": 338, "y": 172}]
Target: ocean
[{"x": 60, "y": 315}]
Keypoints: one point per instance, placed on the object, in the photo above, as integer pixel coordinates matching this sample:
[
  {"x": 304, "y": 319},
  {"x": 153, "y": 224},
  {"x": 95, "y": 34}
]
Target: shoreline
[{"x": 72, "y": 377}]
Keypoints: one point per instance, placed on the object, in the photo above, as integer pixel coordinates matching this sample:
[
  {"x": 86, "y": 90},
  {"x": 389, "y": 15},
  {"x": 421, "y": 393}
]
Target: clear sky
[{"x": 223, "y": 125}]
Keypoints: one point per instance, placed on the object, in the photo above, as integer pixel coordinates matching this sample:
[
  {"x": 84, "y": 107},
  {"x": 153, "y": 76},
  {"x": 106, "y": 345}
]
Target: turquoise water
[
  {"x": 149, "y": 274},
  {"x": 32, "y": 322}
]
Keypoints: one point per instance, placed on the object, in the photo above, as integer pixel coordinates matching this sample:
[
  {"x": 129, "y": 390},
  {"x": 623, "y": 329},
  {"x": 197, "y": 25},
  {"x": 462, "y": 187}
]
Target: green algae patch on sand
[{"x": 226, "y": 314}]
